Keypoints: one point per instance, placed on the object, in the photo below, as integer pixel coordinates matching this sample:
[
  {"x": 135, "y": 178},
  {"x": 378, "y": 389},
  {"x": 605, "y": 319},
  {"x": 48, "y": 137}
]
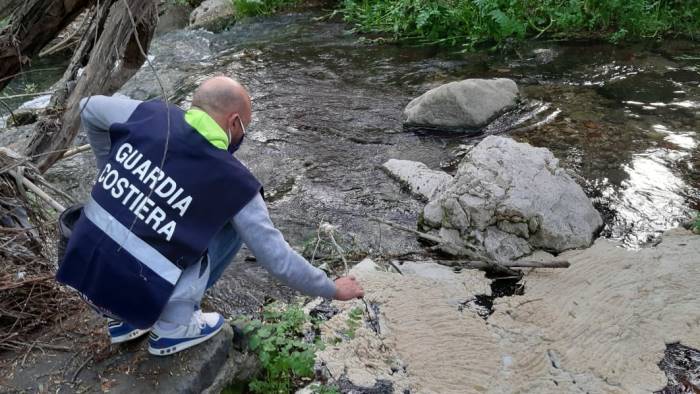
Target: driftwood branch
[
  {"x": 489, "y": 264},
  {"x": 38, "y": 192},
  {"x": 484, "y": 263},
  {"x": 428, "y": 237},
  {"x": 75, "y": 151},
  {"x": 513, "y": 264},
  {"x": 16, "y": 96}
]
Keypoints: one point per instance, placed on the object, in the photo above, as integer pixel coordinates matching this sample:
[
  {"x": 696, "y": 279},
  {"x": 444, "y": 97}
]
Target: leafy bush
[
  {"x": 696, "y": 224},
  {"x": 261, "y": 7},
  {"x": 286, "y": 358},
  {"x": 470, "y": 22}
]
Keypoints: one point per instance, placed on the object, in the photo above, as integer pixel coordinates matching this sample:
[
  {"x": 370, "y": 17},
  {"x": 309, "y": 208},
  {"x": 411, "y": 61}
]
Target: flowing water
[
  {"x": 328, "y": 110},
  {"x": 328, "y": 113}
]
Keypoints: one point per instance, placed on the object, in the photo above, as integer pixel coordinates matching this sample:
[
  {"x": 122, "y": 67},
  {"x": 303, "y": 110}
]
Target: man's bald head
[
  {"x": 224, "y": 99},
  {"x": 222, "y": 95}
]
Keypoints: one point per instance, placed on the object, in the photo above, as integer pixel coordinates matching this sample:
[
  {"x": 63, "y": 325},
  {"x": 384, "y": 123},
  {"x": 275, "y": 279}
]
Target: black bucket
[{"x": 66, "y": 222}]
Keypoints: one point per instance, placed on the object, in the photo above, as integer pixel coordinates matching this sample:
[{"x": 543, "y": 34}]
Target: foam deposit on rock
[{"x": 600, "y": 326}]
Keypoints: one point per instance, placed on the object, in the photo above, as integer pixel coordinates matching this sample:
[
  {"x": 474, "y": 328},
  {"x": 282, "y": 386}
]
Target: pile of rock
[{"x": 506, "y": 200}]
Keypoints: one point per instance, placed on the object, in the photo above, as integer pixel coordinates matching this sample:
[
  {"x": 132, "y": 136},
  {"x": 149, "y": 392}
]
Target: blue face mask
[{"x": 232, "y": 148}]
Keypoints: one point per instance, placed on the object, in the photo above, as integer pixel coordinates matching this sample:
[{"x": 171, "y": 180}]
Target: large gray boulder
[
  {"x": 508, "y": 199},
  {"x": 213, "y": 15},
  {"x": 467, "y": 104}
]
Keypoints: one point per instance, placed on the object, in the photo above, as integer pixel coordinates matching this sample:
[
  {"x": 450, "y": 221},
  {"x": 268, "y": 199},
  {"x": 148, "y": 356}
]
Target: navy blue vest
[{"x": 144, "y": 222}]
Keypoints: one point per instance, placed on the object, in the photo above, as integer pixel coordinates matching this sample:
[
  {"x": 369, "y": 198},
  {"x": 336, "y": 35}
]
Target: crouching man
[{"x": 169, "y": 211}]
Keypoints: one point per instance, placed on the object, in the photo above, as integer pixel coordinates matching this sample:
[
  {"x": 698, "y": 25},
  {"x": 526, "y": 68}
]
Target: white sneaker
[{"x": 202, "y": 327}]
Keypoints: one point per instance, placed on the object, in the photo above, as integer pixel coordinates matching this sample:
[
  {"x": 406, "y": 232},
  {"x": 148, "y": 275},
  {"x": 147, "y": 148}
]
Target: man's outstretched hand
[{"x": 347, "y": 288}]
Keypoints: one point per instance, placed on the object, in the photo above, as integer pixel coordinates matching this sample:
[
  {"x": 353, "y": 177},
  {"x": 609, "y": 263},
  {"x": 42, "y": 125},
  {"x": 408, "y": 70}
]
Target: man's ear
[{"x": 231, "y": 122}]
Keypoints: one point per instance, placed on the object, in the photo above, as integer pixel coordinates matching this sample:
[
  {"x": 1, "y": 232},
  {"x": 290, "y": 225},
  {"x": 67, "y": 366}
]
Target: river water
[
  {"x": 328, "y": 113},
  {"x": 328, "y": 107}
]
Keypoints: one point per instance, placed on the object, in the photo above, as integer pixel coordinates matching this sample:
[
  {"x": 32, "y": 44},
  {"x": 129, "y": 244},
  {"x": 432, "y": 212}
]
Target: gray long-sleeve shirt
[{"x": 252, "y": 222}]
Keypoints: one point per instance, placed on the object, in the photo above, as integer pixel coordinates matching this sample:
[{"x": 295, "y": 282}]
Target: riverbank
[
  {"x": 328, "y": 114},
  {"x": 602, "y": 325}
]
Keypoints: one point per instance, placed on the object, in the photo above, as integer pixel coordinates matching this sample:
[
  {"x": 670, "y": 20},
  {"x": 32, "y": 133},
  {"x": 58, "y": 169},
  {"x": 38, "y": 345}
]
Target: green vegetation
[
  {"x": 696, "y": 224},
  {"x": 287, "y": 360},
  {"x": 472, "y": 22},
  {"x": 354, "y": 320},
  {"x": 261, "y": 7}
]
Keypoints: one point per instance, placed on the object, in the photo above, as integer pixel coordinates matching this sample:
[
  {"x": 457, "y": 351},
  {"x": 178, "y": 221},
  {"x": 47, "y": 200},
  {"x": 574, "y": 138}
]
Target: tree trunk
[
  {"x": 33, "y": 24},
  {"x": 113, "y": 60}
]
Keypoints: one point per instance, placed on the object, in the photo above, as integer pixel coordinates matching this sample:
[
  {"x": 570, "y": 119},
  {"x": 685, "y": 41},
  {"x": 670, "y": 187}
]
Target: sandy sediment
[
  {"x": 603, "y": 323},
  {"x": 600, "y": 326}
]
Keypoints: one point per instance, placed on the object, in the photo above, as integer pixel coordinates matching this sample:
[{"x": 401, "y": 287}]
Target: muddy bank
[{"x": 600, "y": 326}]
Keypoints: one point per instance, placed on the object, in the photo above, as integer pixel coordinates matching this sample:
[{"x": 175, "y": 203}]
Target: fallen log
[
  {"x": 428, "y": 237},
  {"x": 513, "y": 264},
  {"x": 32, "y": 25},
  {"x": 110, "y": 52}
]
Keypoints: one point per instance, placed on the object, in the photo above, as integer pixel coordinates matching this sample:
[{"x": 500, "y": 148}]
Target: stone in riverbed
[
  {"x": 510, "y": 198},
  {"x": 213, "y": 15},
  {"x": 467, "y": 104},
  {"x": 420, "y": 180}
]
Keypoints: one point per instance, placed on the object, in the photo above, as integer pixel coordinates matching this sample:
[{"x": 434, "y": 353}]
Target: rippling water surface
[{"x": 328, "y": 113}]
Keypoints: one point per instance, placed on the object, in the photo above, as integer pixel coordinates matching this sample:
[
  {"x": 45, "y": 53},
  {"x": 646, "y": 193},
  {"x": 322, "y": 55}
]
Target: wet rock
[
  {"x": 172, "y": 55},
  {"x": 213, "y": 15},
  {"x": 22, "y": 117},
  {"x": 420, "y": 180},
  {"x": 544, "y": 55},
  {"x": 467, "y": 104},
  {"x": 682, "y": 367},
  {"x": 684, "y": 76},
  {"x": 509, "y": 198},
  {"x": 380, "y": 387},
  {"x": 74, "y": 175},
  {"x": 16, "y": 138},
  {"x": 173, "y": 16},
  {"x": 39, "y": 102},
  {"x": 643, "y": 87}
]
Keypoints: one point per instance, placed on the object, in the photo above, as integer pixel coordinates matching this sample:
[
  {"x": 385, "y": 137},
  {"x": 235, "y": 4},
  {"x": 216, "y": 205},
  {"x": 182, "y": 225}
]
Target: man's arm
[
  {"x": 97, "y": 116},
  {"x": 272, "y": 252}
]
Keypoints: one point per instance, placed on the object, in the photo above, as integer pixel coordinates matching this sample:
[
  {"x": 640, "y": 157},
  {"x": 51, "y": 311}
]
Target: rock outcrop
[
  {"x": 213, "y": 15},
  {"x": 418, "y": 178},
  {"x": 508, "y": 199},
  {"x": 463, "y": 105},
  {"x": 600, "y": 326}
]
